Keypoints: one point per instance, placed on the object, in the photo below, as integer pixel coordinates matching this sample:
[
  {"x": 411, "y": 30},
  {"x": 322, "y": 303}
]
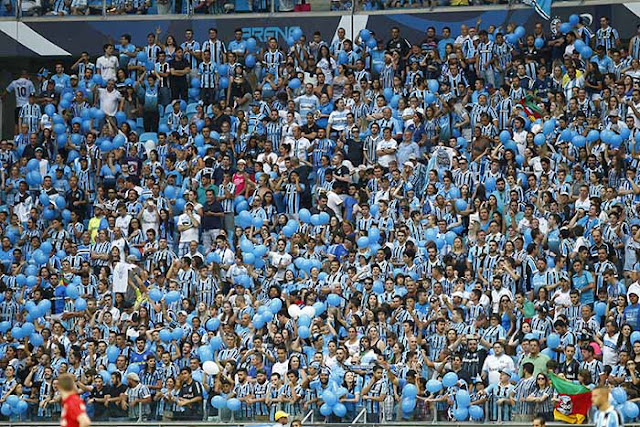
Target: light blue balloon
[
  {"x": 329, "y": 397},
  {"x": 233, "y": 404},
  {"x": 450, "y": 379}
]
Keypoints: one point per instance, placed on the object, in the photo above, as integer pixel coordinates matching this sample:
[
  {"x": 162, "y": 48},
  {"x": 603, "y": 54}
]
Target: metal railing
[
  {"x": 362, "y": 415},
  {"x": 308, "y": 417},
  {"x": 237, "y": 424}
]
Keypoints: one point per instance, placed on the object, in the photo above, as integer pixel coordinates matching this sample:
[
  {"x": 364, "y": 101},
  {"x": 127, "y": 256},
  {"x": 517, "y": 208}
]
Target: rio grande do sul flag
[{"x": 575, "y": 401}]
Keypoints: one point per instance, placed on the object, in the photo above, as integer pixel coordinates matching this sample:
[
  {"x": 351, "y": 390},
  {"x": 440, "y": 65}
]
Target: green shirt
[
  {"x": 202, "y": 193},
  {"x": 539, "y": 363}
]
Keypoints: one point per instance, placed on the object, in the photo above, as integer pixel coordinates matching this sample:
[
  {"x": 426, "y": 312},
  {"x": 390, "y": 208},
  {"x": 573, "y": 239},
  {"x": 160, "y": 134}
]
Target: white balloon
[
  {"x": 309, "y": 311},
  {"x": 294, "y": 311},
  {"x": 216, "y": 369},
  {"x": 210, "y": 368}
]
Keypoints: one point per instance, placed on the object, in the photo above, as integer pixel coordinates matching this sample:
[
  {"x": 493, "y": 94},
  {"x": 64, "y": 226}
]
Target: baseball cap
[{"x": 280, "y": 414}]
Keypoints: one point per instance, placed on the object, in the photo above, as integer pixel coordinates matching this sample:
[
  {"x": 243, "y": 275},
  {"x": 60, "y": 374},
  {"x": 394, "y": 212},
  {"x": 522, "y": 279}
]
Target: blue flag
[{"x": 543, "y": 7}]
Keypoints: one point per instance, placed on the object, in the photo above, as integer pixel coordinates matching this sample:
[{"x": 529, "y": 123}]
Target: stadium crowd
[
  {"x": 426, "y": 229},
  {"x": 61, "y": 8}
]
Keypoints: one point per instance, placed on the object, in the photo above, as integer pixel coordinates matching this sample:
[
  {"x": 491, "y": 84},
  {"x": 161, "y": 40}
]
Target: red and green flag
[
  {"x": 531, "y": 108},
  {"x": 575, "y": 401}
]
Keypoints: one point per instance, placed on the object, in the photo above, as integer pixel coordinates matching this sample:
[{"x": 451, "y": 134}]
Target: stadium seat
[
  {"x": 148, "y": 135},
  {"x": 191, "y": 108}
]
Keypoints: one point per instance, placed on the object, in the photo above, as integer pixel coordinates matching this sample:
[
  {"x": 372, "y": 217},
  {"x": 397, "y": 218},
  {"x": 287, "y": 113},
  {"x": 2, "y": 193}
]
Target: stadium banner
[{"x": 69, "y": 37}]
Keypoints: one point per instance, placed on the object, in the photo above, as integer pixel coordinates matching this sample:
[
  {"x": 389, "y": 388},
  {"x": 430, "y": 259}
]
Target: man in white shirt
[
  {"x": 386, "y": 148},
  {"x": 299, "y": 144},
  {"x": 109, "y": 98},
  {"x": 334, "y": 201},
  {"x": 123, "y": 219},
  {"x": 188, "y": 226},
  {"x": 307, "y": 102},
  {"x": 107, "y": 64},
  {"x": 268, "y": 158},
  {"x": 495, "y": 363},
  {"x": 22, "y": 88},
  {"x": 280, "y": 259}
]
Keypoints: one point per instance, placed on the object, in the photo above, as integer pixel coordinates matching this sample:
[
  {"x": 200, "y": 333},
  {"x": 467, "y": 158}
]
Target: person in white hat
[{"x": 138, "y": 398}]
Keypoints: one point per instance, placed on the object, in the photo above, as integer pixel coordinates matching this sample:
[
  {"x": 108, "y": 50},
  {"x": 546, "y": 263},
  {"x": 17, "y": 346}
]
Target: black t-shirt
[
  {"x": 178, "y": 65},
  {"x": 115, "y": 410},
  {"x": 76, "y": 195},
  {"x": 315, "y": 210},
  {"x": 355, "y": 151},
  {"x": 341, "y": 171},
  {"x": 100, "y": 411},
  {"x": 211, "y": 222},
  {"x": 239, "y": 90},
  {"x": 306, "y": 129},
  {"x": 570, "y": 370},
  {"x": 472, "y": 361},
  {"x": 189, "y": 391},
  {"x": 216, "y": 122}
]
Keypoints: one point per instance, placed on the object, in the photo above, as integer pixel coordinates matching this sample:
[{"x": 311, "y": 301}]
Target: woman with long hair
[
  {"x": 542, "y": 397},
  {"x": 352, "y": 398},
  {"x": 326, "y": 63}
]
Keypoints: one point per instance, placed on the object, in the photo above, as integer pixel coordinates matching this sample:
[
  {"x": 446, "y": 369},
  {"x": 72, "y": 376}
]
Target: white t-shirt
[
  {"x": 334, "y": 201},
  {"x": 493, "y": 365},
  {"x": 385, "y": 159},
  {"x": 21, "y": 88},
  {"x": 636, "y": 121},
  {"x": 299, "y": 147},
  {"x": 583, "y": 204},
  {"x": 276, "y": 259},
  {"x": 109, "y": 101},
  {"x": 338, "y": 120},
  {"x": 191, "y": 233},
  {"x": 122, "y": 222},
  {"x": 150, "y": 220},
  {"x": 107, "y": 66}
]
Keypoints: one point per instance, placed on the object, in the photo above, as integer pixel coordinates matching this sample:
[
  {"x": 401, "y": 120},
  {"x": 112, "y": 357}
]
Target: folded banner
[
  {"x": 575, "y": 401},
  {"x": 543, "y": 7}
]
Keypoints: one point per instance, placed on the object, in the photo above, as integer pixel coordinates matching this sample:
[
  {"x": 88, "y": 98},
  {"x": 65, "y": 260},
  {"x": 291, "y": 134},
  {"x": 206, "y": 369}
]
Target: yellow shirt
[
  {"x": 93, "y": 226},
  {"x": 566, "y": 78}
]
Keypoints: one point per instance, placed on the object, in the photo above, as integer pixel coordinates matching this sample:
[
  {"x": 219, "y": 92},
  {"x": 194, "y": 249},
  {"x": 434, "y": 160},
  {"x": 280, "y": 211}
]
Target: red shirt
[{"x": 72, "y": 407}]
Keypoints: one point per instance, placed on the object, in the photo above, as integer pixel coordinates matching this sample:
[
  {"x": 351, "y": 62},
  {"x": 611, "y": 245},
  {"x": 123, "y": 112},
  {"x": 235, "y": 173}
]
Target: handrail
[
  {"x": 306, "y": 417},
  {"x": 362, "y": 413},
  {"x": 158, "y": 423}
]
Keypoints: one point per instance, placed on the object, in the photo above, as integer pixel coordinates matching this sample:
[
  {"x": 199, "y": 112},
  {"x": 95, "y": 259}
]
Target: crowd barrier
[{"x": 210, "y": 424}]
